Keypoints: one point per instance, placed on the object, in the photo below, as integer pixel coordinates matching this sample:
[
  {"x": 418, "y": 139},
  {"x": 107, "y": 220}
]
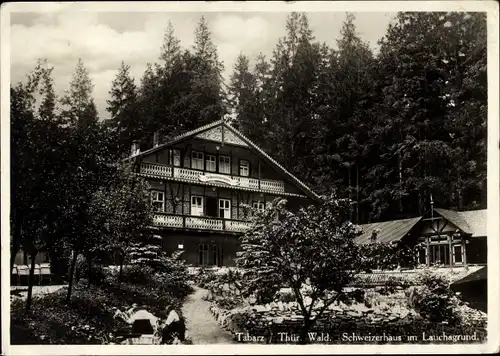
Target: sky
[{"x": 104, "y": 39}]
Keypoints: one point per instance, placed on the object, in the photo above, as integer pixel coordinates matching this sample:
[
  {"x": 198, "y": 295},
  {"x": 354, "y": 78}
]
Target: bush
[
  {"x": 87, "y": 320},
  {"x": 98, "y": 273},
  {"x": 137, "y": 274},
  {"x": 285, "y": 296},
  {"x": 204, "y": 277},
  {"x": 433, "y": 298}
]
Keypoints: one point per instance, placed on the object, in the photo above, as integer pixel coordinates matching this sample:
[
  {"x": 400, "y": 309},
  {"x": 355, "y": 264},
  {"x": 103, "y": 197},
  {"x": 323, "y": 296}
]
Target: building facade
[
  {"x": 202, "y": 184},
  {"x": 446, "y": 238}
]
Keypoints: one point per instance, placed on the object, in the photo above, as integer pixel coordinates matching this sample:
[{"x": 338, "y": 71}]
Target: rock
[{"x": 260, "y": 308}]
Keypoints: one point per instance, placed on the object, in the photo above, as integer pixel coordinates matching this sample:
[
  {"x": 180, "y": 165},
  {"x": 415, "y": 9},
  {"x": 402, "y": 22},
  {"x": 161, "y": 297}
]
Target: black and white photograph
[{"x": 256, "y": 177}]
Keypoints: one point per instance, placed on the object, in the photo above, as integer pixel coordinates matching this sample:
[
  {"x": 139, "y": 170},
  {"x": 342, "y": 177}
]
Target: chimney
[
  {"x": 156, "y": 138},
  {"x": 135, "y": 148}
]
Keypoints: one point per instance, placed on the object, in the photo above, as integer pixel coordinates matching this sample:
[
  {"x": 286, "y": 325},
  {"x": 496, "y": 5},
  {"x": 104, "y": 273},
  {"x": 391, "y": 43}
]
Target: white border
[{"x": 491, "y": 7}]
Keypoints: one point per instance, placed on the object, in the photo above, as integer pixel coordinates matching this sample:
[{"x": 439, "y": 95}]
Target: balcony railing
[
  {"x": 199, "y": 223},
  {"x": 157, "y": 170}
]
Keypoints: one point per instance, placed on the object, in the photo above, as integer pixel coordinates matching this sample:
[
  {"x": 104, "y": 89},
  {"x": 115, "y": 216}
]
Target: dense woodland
[{"x": 388, "y": 130}]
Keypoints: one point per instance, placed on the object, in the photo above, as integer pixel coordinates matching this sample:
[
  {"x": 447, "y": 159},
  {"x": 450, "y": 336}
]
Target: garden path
[{"x": 202, "y": 328}]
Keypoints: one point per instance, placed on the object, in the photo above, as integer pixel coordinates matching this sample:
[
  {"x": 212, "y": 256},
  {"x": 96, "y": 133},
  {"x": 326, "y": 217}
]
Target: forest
[{"x": 390, "y": 130}]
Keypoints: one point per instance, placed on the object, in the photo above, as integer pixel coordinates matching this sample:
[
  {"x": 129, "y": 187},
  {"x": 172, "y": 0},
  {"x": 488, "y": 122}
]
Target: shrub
[
  {"x": 87, "y": 320},
  {"x": 433, "y": 298},
  {"x": 137, "y": 274},
  {"x": 285, "y": 296},
  {"x": 204, "y": 277}
]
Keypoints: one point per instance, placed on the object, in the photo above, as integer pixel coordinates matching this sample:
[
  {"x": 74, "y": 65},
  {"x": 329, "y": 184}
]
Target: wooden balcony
[
  {"x": 162, "y": 171},
  {"x": 199, "y": 223}
]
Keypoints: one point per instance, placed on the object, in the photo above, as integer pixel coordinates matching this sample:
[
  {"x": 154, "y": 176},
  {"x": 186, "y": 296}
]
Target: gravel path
[{"x": 201, "y": 326}]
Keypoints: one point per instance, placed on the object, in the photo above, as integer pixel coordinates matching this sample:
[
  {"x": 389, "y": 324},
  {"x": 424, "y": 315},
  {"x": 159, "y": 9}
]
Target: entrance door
[{"x": 196, "y": 205}]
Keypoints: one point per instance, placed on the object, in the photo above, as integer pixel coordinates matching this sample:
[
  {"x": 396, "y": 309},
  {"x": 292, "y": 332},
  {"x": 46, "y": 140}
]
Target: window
[
  {"x": 211, "y": 164},
  {"x": 224, "y": 208},
  {"x": 197, "y": 160},
  {"x": 196, "y": 206},
  {"x": 439, "y": 254},
  {"x": 174, "y": 157},
  {"x": 259, "y": 207},
  {"x": 244, "y": 168},
  {"x": 204, "y": 255},
  {"x": 158, "y": 200},
  {"x": 457, "y": 254},
  {"x": 224, "y": 164}
]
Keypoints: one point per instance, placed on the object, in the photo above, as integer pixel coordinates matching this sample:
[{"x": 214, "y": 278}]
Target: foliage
[
  {"x": 433, "y": 298},
  {"x": 87, "y": 320},
  {"x": 204, "y": 276},
  {"x": 385, "y": 130},
  {"x": 311, "y": 251},
  {"x": 387, "y": 256},
  {"x": 169, "y": 273},
  {"x": 88, "y": 317},
  {"x": 123, "y": 107}
]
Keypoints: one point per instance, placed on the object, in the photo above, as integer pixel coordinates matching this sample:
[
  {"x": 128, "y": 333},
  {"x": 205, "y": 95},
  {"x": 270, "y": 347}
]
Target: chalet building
[
  {"x": 202, "y": 181},
  {"x": 449, "y": 238}
]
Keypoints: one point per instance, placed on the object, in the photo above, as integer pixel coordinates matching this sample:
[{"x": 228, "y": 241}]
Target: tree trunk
[
  {"x": 71, "y": 276},
  {"x": 89, "y": 269},
  {"x": 13, "y": 252},
  {"x": 303, "y": 339},
  {"x": 16, "y": 241},
  {"x": 31, "y": 279}
]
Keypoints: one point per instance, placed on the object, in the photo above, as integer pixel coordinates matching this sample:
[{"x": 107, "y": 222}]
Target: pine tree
[
  {"x": 207, "y": 76},
  {"x": 80, "y": 110},
  {"x": 123, "y": 107},
  {"x": 89, "y": 165},
  {"x": 171, "y": 49},
  {"x": 242, "y": 89}
]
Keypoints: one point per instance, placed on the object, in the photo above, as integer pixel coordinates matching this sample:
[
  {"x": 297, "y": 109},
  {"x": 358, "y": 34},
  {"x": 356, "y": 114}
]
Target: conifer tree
[{"x": 123, "y": 107}]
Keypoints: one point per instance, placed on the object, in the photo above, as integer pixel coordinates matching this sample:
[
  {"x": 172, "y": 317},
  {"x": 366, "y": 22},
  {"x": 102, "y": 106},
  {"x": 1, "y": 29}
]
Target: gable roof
[
  {"x": 476, "y": 220},
  {"x": 388, "y": 231},
  {"x": 455, "y": 218},
  {"x": 243, "y": 138},
  {"x": 471, "y": 222}
]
